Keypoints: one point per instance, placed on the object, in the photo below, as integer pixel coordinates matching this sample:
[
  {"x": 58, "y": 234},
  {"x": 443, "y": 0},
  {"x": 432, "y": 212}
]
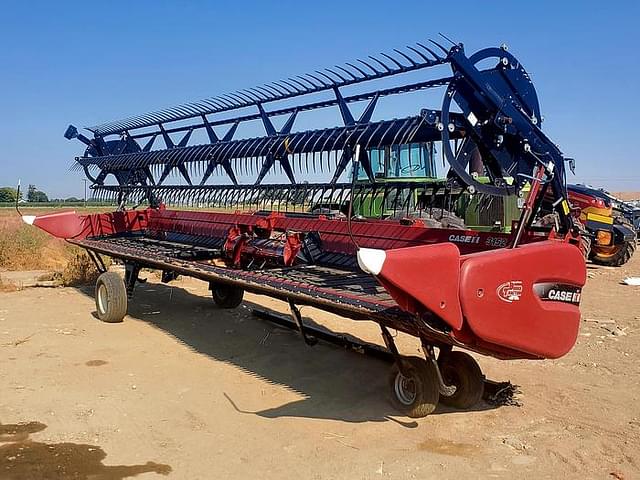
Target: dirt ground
[
  {"x": 192, "y": 392},
  {"x": 628, "y": 195}
]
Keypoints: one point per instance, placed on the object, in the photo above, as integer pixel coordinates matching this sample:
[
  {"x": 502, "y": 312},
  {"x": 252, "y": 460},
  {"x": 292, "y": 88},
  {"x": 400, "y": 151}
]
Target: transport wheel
[
  {"x": 416, "y": 394},
  {"x": 614, "y": 256},
  {"x": 462, "y": 371},
  {"x": 226, "y": 296},
  {"x": 111, "y": 298}
]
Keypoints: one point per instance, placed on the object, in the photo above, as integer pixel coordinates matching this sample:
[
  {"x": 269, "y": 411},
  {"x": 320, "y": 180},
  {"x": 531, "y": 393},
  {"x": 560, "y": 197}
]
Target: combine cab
[
  {"x": 264, "y": 213},
  {"x": 613, "y": 237}
]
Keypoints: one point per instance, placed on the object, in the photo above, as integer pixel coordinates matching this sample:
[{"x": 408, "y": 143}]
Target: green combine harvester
[{"x": 432, "y": 198}]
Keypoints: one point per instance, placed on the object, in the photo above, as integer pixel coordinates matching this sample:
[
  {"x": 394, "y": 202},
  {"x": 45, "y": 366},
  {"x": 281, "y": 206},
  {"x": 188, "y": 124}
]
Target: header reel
[{"x": 492, "y": 113}]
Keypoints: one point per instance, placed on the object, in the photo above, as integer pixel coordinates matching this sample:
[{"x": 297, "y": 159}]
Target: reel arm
[{"x": 502, "y": 118}]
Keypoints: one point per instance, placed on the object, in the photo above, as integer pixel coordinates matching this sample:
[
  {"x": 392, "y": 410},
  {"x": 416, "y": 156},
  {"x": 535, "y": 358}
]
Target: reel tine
[
  {"x": 437, "y": 57},
  {"x": 289, "y": 92},
  {"x": 419, "y": 53},
  {"x": 296, "y": 89},
  {"x": 358, "y": 69},
  {"x": 270, "y": 90},
  {"x": 336, "y": 74},
  {"x": 280, "y": 92},
  {"x": 246, "y": 98},
  {"x": 393, "y": 60},
  {"x": 409, "y": 59},
  {"x": 313, "y": 85},
  {"x": 387, "y": 69},
  {"x": 234, "y": 101},
  {"x": 320, "y": 81},
  {"x": 224, "y": 101},
  {"x": 217, "y": 102},
  {"x": 211, "y": 103},
  {"x": 300, "y": 84},
  {"x": 446, "y": 52},
  {"x": 241, "y": 100},
  {"x": 299, "y": 157},
  {"x": 453, "y": 44},
  {"x": 332, "y": 82},
  {"x": 347, "y": 72},
  {"x": 295, "y": 85},
  {"x": 266, "y": 93},
  {"x": 253, "y": 97}
]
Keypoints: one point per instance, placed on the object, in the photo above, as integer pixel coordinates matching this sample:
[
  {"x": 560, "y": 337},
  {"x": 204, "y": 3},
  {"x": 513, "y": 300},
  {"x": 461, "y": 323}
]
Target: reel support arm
[{"x": 502, "y": 118}]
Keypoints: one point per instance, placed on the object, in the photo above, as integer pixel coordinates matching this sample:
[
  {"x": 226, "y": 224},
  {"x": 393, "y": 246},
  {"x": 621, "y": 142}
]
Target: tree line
[{"x": 10, "y": 194}]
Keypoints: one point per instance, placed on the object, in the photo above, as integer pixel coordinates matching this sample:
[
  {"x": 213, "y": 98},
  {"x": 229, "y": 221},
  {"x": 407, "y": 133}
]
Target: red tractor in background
[{"x": 612, "y": 235}]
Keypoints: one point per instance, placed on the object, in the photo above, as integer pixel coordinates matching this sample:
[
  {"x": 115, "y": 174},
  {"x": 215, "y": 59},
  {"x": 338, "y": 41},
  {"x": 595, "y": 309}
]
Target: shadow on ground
[
  {"x": 22, "y": 458},
  {"x": 335, "y": 383}
]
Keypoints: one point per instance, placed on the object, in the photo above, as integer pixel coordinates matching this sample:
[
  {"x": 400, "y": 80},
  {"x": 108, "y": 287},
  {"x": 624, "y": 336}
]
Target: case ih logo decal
[
  {"x": 556, "y": 292},
  {"x": 464, "y": 238},
  {"x": 510, "y": 291}
]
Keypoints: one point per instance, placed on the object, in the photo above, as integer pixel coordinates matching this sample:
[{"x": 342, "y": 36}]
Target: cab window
[{"x": 411, "y": 160}]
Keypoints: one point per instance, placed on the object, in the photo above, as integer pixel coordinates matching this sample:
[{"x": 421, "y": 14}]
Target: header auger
[{"x": 342, "y": 218}]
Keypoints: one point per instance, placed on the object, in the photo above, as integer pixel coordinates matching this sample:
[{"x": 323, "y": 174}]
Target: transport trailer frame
[
  {"x": 390, "y": 317},
  {"x": 356, "y": 297},
  {"x": 416, "y": 384}
]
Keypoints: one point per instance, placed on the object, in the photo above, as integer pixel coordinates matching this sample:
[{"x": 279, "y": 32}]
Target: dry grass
[
  {"x": 80, "y": 270},
  {"x": 7, "y": 287},
  {"x": 24, "y": 247}
]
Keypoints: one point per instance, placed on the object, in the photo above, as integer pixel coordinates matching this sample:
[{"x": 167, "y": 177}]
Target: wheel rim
[
  {"x": 607, "y": 252},
  {"x": 405, "y": 389},
  {"x": 103, "y": 300},
  {"x": 450, "y": 377}
]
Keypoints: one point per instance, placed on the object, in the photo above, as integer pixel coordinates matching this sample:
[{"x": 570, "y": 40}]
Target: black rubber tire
[
  {"x": 586, "y": 241},
  {"x": 111, "y": 298},
  {"x": 461, "y": 370},
  {"x": 226, "y": 296},
  {"x": 621, "y": 256},
  {"x": 585, "y": 245},
  {"x": 424, "y": 381}
]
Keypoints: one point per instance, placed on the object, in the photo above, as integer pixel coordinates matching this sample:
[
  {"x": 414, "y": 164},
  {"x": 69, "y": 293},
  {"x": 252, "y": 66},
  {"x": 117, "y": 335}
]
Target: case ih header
[{"x": 508, "y": 295}]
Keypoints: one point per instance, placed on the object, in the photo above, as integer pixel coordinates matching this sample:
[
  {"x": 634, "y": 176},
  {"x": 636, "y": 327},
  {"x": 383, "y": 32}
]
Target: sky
[{"x": 89, "y": 62}]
